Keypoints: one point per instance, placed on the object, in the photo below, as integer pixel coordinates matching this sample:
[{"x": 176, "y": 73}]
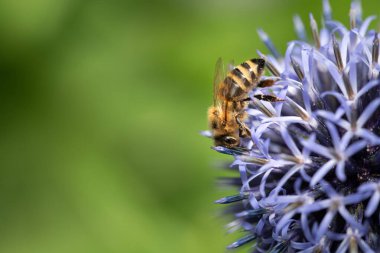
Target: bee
[{"x": 227, "y": 114}]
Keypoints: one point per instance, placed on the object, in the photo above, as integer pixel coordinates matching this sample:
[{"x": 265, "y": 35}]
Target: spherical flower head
[{"x": 310, "y": 174}]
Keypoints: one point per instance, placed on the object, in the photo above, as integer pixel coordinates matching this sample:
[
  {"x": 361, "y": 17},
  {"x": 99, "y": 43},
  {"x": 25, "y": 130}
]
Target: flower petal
[
  {"x": 321, "y": 172},
  {"x": 372, "y": 204},
  {"x": 367, "y": 113}
]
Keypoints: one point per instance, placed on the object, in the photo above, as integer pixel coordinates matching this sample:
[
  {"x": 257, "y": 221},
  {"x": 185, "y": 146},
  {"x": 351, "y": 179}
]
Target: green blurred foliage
[{"x": 101, "y": 105}]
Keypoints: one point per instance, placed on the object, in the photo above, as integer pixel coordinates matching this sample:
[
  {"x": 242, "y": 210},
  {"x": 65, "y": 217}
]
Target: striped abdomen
[{"x": 241, "y": 80}]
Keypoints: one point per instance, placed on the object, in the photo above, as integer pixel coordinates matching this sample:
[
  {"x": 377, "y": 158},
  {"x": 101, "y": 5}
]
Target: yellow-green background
[{"x": 101, "y": 103}]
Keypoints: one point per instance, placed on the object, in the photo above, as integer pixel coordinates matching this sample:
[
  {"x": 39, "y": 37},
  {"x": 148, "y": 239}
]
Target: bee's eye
[{"x": 230, "y": 140}]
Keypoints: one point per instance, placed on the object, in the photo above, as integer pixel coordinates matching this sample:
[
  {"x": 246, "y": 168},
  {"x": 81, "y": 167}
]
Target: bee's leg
[
  {"x": 225, "y": 111},
  {"x": 243, "y": 129},
  {"x": 241, "y": 104},
  {"x": 235, "y": 105},
  {"x": 269, "y": 82},
  {"x": 269, "y": 98}
]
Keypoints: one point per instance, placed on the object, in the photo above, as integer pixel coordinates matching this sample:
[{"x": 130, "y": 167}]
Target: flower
[{"x": 310, "y": 174}]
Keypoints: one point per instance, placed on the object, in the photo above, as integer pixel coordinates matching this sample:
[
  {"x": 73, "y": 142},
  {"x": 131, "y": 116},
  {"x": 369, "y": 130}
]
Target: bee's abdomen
[
  {"x": 242, "y": 79},
  {"x": 232, "y": 89},
  {"x": 252, "y": 70}
]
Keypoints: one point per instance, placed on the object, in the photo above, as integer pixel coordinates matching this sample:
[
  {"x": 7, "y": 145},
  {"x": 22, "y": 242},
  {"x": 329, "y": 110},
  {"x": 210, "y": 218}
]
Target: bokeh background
[{"x": 101, "y": 104}]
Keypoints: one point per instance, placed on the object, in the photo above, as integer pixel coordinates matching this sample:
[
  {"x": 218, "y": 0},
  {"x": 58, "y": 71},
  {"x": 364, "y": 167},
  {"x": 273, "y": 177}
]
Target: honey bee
[{"x": 227, "y": 114}]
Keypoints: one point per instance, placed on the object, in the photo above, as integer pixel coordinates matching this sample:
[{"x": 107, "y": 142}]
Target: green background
[{"x": 101, "y": 104}]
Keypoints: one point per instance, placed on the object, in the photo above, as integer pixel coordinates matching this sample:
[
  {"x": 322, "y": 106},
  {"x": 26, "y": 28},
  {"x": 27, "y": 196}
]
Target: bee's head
[{"x": 228, "y": 141}]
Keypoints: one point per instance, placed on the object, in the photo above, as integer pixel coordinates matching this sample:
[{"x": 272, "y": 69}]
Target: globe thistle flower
[{"x": 310, "y": 175}]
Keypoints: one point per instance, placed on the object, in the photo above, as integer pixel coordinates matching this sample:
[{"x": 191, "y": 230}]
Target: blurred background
[{"x": 101, "y": 104}]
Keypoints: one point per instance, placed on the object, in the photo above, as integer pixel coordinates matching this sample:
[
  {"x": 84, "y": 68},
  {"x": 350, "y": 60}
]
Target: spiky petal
[{"x": 310, "y": 174}]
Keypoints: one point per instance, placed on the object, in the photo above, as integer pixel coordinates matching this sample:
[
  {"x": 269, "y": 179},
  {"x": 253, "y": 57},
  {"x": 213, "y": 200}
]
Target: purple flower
[{"x": 310, "y": 174}]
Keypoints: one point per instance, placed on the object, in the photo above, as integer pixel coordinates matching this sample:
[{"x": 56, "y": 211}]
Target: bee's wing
[
  {"x": 218, "y": 78},
  {"x": 230, "y": 65}
]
